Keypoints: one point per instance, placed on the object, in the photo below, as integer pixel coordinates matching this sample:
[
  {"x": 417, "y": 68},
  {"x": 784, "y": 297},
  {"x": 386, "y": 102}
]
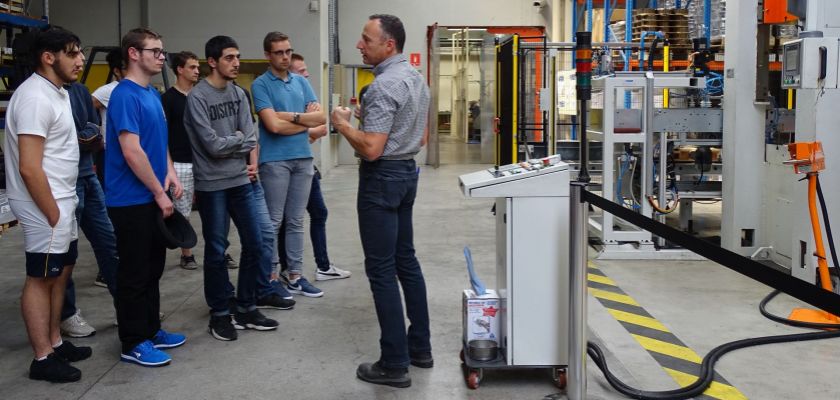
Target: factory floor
[{"x": 315, "y": 351}]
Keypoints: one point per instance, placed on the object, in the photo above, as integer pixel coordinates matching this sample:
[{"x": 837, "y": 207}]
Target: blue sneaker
[
  {"x": 302, "y": 286},
  {"x": 280, "y": 289},
  {"x": 147, "y": 355},
  {"x": 166, "y": 340}
]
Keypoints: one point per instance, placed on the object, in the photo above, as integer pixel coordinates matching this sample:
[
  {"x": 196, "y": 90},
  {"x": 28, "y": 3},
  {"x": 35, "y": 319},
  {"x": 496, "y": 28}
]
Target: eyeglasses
[
  {"x": 287, "y": 52},
  {"x": 156, "y": 52}
]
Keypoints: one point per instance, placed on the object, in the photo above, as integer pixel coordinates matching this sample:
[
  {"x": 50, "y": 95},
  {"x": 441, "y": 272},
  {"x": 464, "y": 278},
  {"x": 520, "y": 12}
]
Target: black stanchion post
[{"x": 583, "y": 74}]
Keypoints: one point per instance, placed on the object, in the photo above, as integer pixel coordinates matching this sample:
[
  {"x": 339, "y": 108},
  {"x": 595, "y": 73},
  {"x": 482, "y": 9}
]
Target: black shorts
[{"x": 45, "y": 265}]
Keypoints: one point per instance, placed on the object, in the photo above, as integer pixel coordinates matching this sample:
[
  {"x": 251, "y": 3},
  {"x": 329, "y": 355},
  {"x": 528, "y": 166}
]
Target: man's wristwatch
[{"x": 295, "y": 117}]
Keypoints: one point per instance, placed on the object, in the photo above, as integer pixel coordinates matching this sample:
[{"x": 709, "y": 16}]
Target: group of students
[{"x": 200, "y": 139}]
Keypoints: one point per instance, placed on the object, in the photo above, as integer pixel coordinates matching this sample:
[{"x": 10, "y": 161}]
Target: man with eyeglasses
[
  {"x": 315, "y": 206},
  {"x": 287, "y": 108},
  {"x": 140, "y": 173}
]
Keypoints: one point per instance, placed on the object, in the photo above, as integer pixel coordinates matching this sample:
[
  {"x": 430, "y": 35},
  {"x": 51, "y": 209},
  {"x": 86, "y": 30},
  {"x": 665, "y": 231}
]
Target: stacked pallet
[
  {"x": 14, "y": 7},
  {"x": 673, "y": 23}
]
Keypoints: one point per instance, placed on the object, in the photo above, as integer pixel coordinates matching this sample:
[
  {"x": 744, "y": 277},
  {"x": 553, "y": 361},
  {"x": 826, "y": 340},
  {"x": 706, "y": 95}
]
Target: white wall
[
  {"x": 187, "y": 24},
  {"x": 418, "y": 15},
  {"x": 95, "y": 21}
]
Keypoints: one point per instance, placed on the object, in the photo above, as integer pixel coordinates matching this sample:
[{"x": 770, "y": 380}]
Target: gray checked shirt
[{"x": 397, "y": 104}]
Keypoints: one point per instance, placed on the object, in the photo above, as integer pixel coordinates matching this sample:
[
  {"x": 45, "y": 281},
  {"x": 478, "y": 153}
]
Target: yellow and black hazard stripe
[{"x": 679, "y": 361}]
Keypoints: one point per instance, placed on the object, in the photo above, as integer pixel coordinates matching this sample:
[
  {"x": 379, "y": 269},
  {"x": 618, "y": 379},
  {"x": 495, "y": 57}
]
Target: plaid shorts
[{"x": 184, "y": 171}]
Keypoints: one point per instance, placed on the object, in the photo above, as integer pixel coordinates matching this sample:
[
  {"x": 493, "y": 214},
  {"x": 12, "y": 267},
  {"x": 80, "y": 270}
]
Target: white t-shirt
[
  {"x": 40, "y": 108},
  {"x": 103, "y": 94}
]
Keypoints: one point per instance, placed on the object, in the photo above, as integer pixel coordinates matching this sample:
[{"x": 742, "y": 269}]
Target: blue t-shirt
[
  {"x": 291, "y": 95},
  {"x": 138, "y": 110}
]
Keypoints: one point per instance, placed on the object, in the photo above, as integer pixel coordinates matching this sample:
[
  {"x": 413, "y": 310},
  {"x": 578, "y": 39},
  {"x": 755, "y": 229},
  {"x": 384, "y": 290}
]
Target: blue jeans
[
  {"x": 287, "y": 184},
  {"x": 93, "y": 219},
  {"x": 264, "y": 287},
  {"x": 385, "y": 201},
  {"x": 317, "y": 209},
  {"x": 214, "y": 207}
]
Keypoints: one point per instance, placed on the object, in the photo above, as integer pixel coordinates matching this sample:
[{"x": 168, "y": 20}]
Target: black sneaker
[
  {"x": 423, "y": 360},
  {"x": 375, "y": 373},
  {"x": 188, "y": 262},
  {"x": 230, "y": 262},
  {"x": 72, "y": 353},
  {"x": 53, "y": 369},
  {"x": 254, "y": 320},
  {"x": 100, "y": 281},
  {"x": 276, "y": 302},
  {"x": 221, "y": 328}
]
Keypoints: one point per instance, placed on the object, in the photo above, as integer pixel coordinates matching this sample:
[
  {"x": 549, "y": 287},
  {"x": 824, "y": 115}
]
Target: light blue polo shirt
[{"x": 290, "y": 95}]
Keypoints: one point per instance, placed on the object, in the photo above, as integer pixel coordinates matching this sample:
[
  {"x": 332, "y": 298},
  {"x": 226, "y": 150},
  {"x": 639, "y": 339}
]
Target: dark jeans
[
  {"x": 385, "y": 201},
  {"x": 142, "y": 255},
  {"x": 317, "y": 210},
  {"x": 214, "y": 207},
  {"x": 93, "y": 219}
]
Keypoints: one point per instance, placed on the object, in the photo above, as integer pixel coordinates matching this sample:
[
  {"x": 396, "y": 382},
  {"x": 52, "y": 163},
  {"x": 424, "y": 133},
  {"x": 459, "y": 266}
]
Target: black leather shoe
[
  {"x": 423, "y": 360},
  {"x": 375, "y": 373}
]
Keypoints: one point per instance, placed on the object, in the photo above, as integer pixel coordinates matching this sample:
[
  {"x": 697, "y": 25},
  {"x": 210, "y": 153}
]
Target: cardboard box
[{"x": 482, "y": 315}]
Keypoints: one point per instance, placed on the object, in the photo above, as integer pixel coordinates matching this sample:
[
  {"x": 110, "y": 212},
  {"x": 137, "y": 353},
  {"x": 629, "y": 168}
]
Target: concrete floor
[{"x": 314, "y": 353}]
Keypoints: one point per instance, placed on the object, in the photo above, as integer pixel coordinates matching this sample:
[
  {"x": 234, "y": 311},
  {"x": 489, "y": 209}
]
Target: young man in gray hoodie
[{"x": 218, "y": 122}]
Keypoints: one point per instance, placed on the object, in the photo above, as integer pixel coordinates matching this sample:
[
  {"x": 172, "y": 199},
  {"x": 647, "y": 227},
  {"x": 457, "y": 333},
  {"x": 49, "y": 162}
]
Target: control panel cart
[{"x": 532, "y": 265}]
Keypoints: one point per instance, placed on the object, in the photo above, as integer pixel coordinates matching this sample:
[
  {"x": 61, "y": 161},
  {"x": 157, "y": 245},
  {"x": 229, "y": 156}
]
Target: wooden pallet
[{"x": 14, "y": 7}]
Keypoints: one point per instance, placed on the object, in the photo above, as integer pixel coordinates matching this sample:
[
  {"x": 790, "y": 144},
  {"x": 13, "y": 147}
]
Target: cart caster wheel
[
  {"x": 473, "y": 379},
  {"x": 559, "y": 378},
  {"x": 461, "y": 354}
]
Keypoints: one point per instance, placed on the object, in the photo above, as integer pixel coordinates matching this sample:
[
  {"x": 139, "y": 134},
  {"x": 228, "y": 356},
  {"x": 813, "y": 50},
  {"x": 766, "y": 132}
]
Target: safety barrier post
[{"x": 578, "y": 255}]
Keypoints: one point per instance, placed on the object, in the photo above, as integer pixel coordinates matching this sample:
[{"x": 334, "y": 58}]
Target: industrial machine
[
  {"x": 532, "y": 263},
  {"x": 654, "y": 158}
]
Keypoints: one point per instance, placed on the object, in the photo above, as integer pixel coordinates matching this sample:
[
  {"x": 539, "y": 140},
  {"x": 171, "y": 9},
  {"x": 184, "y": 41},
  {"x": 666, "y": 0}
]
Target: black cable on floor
[
  {"x": 707, "y": 367},
  {"x": 827, "y": 222},
  {"x": 762, "y": 307}
]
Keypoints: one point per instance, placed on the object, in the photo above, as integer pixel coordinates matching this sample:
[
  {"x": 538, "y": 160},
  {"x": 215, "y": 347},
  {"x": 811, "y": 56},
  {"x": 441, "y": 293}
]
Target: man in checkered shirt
[{"x": 394, "y": 112}]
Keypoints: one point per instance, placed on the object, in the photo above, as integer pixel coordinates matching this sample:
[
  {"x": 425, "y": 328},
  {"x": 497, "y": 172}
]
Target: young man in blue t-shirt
[
  {"x": 139, "y": 174},
  {"x": 287, "y": 108}
]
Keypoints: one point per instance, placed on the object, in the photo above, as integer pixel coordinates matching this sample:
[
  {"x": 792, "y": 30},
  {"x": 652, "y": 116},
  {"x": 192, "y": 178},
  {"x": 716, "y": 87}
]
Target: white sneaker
[
  {"x": 76, "y": 326},
  {"x": 332, "y": 273}
]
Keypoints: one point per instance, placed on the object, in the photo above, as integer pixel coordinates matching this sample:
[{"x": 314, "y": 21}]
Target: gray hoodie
[{"x": 221, "y": 132}]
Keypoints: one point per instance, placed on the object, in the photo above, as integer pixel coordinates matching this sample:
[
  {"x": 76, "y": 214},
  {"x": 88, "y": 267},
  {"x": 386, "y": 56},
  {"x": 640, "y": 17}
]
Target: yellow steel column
[{"x": 666, "y": 60}]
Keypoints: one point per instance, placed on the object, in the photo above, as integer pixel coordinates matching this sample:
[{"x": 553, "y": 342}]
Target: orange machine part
[
  {"x": 775, "y": 12},
  {"x": 808, "y": 157}
]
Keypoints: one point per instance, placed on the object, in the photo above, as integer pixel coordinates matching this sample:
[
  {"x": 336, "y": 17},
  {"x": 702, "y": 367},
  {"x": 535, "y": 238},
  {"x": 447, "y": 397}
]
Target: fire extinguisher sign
[{"x": 414, "y": 59}]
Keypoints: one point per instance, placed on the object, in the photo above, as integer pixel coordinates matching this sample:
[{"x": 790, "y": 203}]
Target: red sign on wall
[{"x": 414, "y": 59}]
